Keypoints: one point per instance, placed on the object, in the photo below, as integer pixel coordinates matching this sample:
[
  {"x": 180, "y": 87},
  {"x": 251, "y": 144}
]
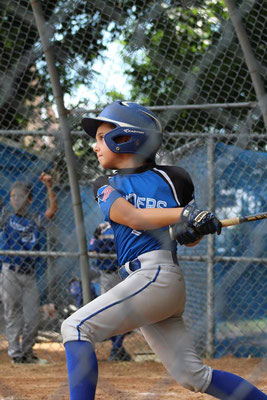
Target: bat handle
[{"x": 230, "y": 222}]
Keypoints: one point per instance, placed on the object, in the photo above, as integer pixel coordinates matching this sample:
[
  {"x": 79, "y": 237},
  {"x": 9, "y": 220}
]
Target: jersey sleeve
[{"x": 105, "y": 197}]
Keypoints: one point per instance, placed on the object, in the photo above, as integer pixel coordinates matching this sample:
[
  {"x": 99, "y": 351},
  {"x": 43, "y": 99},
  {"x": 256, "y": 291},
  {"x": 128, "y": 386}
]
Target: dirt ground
[{"x": 117, "y": 380}]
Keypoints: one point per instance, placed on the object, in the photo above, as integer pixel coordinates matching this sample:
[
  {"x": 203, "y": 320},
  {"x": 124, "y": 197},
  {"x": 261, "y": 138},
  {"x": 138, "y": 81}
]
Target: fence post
[
  {"x": 211, "y": 254},
  {"x": 75, "y": 191},
  {"x": 251, "y": 61}
]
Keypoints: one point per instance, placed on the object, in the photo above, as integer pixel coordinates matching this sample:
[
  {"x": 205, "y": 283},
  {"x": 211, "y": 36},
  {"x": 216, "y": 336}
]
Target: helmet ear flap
[{"x": 136, "y": 140}]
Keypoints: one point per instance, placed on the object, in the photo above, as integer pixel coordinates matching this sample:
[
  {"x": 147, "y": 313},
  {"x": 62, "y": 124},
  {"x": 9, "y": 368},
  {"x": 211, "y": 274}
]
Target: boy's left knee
[{"x": 69, "y": 331}]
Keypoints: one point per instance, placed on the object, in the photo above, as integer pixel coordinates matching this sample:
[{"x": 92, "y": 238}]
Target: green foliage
[
  {"x": 192, "y": 56},
  {"x": 178, "y": 52},
  {"x": 78, "y": 39}
]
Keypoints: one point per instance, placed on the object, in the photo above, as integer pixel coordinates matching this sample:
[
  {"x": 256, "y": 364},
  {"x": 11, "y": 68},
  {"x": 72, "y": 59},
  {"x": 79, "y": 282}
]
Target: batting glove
[
  {"x": 186, "y": 235},
  {"x": 203, "y": 222}
]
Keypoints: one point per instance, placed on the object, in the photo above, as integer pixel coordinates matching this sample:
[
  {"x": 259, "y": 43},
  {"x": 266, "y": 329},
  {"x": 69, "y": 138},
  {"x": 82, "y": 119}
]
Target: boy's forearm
[
  {"x": 152, "y": 218},
  {"x": 125, "y": 213},
  {"x": 52, "y": 200}
]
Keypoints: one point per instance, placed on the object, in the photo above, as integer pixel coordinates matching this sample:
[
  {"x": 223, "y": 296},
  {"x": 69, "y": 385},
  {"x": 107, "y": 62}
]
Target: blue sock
[
  {"x": 227, "y": 386},
  {"x": 82, "y": 370}
]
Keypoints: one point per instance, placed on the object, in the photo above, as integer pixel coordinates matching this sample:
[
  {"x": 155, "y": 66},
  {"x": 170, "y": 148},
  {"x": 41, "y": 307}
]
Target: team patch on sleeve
[{"x": 104, "y": 193}]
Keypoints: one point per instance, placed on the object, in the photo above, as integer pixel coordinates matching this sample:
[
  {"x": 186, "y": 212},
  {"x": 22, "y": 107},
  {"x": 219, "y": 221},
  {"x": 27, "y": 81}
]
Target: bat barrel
[{"x": 241, "y": 220}]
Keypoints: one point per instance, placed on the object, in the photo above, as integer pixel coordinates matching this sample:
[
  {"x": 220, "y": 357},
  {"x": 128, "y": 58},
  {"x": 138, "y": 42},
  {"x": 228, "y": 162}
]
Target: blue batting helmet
[{"x": 132, "y": 120}]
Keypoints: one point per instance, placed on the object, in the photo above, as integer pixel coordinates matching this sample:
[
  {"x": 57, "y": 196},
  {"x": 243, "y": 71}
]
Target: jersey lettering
[
  {"x": 145, "y": 202},
  {"x": 140, "y": 202},
  {"x": 17, "y": 226},
  {"x": 161, "y": 204},
  {"x": 151, "y": 203}
]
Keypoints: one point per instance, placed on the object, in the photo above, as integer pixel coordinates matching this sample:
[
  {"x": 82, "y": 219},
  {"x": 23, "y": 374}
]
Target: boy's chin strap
[
  {"x": 82, "y": 370},
  {"x": 227, "y": 386}
]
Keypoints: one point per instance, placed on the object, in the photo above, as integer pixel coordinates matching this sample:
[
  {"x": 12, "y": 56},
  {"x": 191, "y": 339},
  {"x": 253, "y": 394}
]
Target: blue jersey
[
  {"x": 21, "y": 233},
  {"x": 105, "y": 244},
  {"x": 149, "y": 186}
]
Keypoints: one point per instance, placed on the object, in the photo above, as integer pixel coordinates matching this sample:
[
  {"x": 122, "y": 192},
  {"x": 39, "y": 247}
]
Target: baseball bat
[
  {"x": 230, "y": 221},
  {"x": 241, "y": 220}
]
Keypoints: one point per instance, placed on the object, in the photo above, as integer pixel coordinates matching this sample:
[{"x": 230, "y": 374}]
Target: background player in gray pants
[{"x": 21, "y": 231}]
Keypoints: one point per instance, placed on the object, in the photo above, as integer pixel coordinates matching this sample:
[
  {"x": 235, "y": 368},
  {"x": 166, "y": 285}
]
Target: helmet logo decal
[{"x": 132, "y": 131}]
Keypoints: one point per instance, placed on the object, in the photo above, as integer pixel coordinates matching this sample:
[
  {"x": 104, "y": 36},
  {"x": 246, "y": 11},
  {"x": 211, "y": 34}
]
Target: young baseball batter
[{"x": 140, "y": 201}]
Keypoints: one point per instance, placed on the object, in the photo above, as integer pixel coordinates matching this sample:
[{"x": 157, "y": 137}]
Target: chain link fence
[{"x": 204, "y": 77}]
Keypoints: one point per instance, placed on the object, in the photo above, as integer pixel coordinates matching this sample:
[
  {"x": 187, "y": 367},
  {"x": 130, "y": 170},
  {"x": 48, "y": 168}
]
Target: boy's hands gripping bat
[
  {"x": 196, "y": 223},
  {"x": 203, "y": 222}
]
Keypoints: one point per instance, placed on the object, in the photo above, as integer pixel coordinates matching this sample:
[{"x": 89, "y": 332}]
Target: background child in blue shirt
[{"x": 21, "y": 231}]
